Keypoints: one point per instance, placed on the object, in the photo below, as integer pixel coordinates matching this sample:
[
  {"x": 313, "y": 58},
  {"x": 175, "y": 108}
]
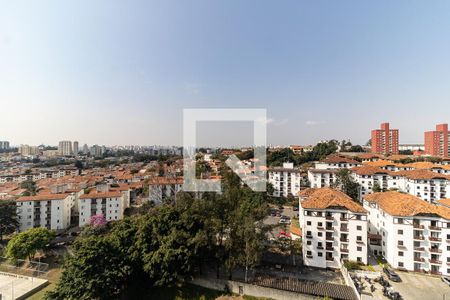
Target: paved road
[{"x": 417, "y": 286}]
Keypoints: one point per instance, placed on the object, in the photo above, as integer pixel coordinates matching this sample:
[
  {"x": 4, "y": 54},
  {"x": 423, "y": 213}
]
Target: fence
[{"x": 24, "y": 267}]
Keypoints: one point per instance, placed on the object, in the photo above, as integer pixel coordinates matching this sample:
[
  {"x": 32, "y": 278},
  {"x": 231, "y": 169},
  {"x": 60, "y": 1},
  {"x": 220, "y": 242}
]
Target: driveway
[{"x": 417, "y": 286}]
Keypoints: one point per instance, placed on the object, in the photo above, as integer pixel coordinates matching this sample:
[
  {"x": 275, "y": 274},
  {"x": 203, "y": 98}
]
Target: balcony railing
[
  {"x": 434, "y": 228},
  {"x": 345, "y": 250},
  {"x": 419, "y": 259},
  {"x": 344, "y": 229},
  {"x": 328, "y": 248},
  {"x": 329, "y": 238},
  {"x": 418, "y": 226},
  {"x": 329, "y": 228},
  {"x": 435, "y": 261},
  {"x": 419, "y": 249},
  {"x": 434, "y": 239},
  {"x": 419, "y": 237},
  {"x": 330, "y": 259},
  {"x": 344, "y": 219},
  {"x": 435, "y": 250},
  {"x": 344, "y": 240},
  {"x": 329, "y": 218}
]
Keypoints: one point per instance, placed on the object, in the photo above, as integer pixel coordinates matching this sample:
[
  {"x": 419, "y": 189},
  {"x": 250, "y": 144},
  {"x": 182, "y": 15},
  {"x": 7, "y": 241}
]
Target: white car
[{"x": 446, "y": 280}]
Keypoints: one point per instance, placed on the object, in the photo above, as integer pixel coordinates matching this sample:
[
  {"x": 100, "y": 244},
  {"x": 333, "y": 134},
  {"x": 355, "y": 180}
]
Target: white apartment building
[
  {"x": 425, "y": 184},
  {"x": 337, "y": 162},
  {"x": 410, "y": 233},
  {"x": 162, "y": 188},
  {"x": 102, "y": 200},
  {"x": 319, "y": 178},
  {"x": 52, "y": 211},
  {"x": 285, "y": 181},
  {"x": 65, "y": 148},
  {"x": 334, "y": 228}
]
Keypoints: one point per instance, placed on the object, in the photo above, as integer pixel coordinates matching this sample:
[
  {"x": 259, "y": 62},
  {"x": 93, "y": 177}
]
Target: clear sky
[{"x": 121, "y": 72}]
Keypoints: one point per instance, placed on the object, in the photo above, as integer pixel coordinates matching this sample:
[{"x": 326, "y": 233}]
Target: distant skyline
[{"x": 120, "y": 73}]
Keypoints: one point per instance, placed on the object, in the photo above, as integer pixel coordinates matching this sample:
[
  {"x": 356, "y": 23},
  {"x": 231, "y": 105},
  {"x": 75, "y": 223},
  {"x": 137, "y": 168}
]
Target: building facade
[
  {"x": 436, "y": 142},
  {"x": 334, "y": 228},
  {"x": 385, "y": 140},
  {"x": 65, "y": 148},
  {"x": 285, "y": 181},
  {"x": 410, "y": 233}
]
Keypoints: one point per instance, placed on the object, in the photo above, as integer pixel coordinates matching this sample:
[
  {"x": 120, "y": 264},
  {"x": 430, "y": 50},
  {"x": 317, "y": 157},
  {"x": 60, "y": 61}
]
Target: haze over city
[{"x": 121, "y": 73}]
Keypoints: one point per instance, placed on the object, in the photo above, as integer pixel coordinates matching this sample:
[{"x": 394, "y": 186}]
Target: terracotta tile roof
[
  {"x": 324, "y": 198},
  {"x": 112, "y": 193},
  {"x": 368, "y": 170},
  {"x": 444, "y": 202},
  {"x": 381, "y": 163},
  {"x": 369, "y": 156},
  {"x": 323, "y": 171},
  {"x": 406, "y": 205},
  {"x": 306, "y": 192},
  {"x": 165, "y": 180},
  {"x": 420, "y": 174},
  {"x": 44, "y": 197},
  {"x": 339, "y": 159}
]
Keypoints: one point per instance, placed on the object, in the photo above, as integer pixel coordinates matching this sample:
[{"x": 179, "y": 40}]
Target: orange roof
[
  {"x": 165, "y": 180},
  {"x": 338, "y": 159},
  {"x": 306, "y": 192},
  {"x": 420, "y": 174},
  {"x": 44, "y": 197},
  {"x": 406, "y": 205},
  {"x": 324, "y": 198},
  {"x": 368, "y": 170},
  {"x": 381, "y": 163},
  {"x": 444, "y": 202},
  {"x": 112, "y": 193}
]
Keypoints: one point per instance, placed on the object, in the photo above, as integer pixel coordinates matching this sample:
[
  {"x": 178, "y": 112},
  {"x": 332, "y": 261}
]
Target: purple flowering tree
[{"x": 98, "y": 220}]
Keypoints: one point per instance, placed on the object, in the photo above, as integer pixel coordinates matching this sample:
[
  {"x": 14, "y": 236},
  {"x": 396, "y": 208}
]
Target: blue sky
[{"x": 121, "y": 72}]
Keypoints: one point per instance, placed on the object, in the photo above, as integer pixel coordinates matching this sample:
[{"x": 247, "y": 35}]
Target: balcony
[
  {"x": 328, "y": 248},
  {"x": 344, "y": 229},
  {"x": 344, "y": 250},
  {"x": 320, "y": 247},
  {"x": 401, "y": 246},
  {"x": 344, "y": 240},
  {"x": 320, "y": 227},
  {"x": 435, "y": 261},
  {"x": 418, "y": 227},
  {"x": 359, "y": 242},
  {"x": 330, "y": 259},
  {"x": 344, "y": 219},
  {"x": 419, "y": 237},
  {"x": 435, "y": 239},
  {"x": 329, "y": 229},
  {"x": 329, "y": 218},
  {"x": 434, "y": 228},
  {"x": 435, "y": 250},
  {"x": 419, "y": 259},
  {"x": 419, "y": 249},
  {"x": 329, "y": 238}
]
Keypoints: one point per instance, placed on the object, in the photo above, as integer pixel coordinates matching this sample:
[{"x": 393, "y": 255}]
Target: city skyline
[{"x": 122, "y": 74}]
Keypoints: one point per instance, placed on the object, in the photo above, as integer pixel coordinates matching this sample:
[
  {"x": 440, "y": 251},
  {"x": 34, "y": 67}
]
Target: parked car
[
  {"x": 392, "y": 275},
  {"x": 446, "y": 280}
]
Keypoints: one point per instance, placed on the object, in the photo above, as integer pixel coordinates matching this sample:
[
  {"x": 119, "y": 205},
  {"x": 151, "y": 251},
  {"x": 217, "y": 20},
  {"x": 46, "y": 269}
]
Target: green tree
[
  {"x": 96, "y": 270},
  {"x": 345, "y": 183},
  {"x": 8, "y": 218},
  {"x": 376, "y": 187},
  {"x": 29, "y": 186},
  {"x": 27, "y": 243}
]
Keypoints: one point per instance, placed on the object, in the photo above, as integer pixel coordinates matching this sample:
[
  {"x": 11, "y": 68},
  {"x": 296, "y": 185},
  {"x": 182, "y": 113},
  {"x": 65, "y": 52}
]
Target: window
[
  {"x": 359, "y": 238},
  {"x": 319, "y": 254},
  {"x": 308, "y": 253},
  {"x": 319, "y": 234},
  {"x": 400, "y": 243},
  {"x": 358, "y": 248},
  {"x": 308, "y": 243},
  {"x": 359, "y": 259},
  {"x": 448, "y": 236},
  {"x": 308, "y": 223},
  {"x": 319, "y": 224},
  {"x": 400, "y": 253},
  {"x": 400, "y": 264},
  {"x": 400, "y": 231},
  {"x": 358, "y": 227}
]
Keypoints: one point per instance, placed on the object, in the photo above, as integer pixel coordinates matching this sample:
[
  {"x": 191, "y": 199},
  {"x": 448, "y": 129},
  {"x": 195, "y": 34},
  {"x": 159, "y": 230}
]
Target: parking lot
[
  {"x": 275, "y": 221},
  {"x": 417, "y": 286}
]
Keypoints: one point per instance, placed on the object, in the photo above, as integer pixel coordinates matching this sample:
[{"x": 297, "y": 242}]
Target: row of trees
[{"x": 168, "y": 244}]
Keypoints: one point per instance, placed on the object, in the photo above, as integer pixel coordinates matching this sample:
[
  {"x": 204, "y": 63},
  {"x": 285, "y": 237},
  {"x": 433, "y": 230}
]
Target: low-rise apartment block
[
  {"x": 52, "y": 210},
  {"x": 285, "y": 181},
  {"x": 334, "y": 228},
  {"x": 410, "y": 233}
]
